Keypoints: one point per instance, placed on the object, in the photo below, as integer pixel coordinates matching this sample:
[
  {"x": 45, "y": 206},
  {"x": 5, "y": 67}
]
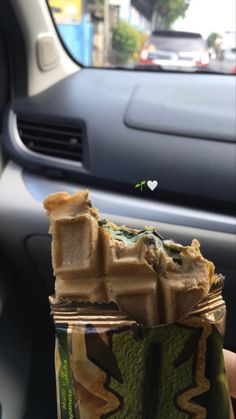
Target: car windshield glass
[
  {"x": 176, "y": 44},
  {"x": 179, "y": 35}
]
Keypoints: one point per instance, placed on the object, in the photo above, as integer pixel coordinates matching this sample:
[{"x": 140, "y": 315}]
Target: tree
[
  {"x": 126, "y": 41},
  {"x": 96, "y": 2},
  {"x": 211, "y": 40},
  {"x": 166, "y": 12}
]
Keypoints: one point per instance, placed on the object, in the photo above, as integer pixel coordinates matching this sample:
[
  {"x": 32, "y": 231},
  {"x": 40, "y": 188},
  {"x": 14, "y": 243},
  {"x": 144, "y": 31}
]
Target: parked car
[{"x": 175, "y": 50}]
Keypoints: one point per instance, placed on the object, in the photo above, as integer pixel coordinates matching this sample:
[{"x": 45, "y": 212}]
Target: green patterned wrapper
[
  {"x": 65, "y": 391},
  {"x": 110, "y": 367}
]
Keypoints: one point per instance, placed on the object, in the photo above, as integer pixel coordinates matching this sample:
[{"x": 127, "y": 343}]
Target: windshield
[
  {"x": 179, "y": 35},
  {"x": 176, "y": 44}
]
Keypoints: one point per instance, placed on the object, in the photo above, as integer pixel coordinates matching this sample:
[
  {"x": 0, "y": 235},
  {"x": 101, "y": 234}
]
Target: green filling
[{"x": 129, "y": 237}]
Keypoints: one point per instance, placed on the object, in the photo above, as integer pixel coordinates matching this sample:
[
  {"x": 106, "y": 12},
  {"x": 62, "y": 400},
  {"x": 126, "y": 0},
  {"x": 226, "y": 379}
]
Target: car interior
[{"x": 68, "y": 127}]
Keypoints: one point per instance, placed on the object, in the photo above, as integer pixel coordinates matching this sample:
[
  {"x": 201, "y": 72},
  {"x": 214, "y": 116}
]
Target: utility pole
[{"x": 106, "y": 31}]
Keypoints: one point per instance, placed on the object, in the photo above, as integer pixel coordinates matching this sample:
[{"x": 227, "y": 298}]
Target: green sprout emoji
[{"x": 140, "y": 185}]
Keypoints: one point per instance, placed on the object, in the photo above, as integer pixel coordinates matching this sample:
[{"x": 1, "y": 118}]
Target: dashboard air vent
[{"x": 52, "y": 138}]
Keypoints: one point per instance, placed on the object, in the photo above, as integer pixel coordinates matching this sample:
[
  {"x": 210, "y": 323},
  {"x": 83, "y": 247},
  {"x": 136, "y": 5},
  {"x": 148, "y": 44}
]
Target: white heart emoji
[{"x": 152, "y": 184}]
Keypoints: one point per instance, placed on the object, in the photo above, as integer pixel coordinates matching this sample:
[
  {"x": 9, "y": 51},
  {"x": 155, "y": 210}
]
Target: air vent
[{"x": 52, "y": 139}]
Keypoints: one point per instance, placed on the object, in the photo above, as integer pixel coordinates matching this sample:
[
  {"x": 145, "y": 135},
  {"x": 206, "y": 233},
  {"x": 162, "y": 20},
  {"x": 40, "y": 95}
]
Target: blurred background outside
[{"x": 186, "y": 35}]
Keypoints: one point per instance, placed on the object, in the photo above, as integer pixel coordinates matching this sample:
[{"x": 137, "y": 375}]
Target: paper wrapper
[{"x": 108, "y": 366}]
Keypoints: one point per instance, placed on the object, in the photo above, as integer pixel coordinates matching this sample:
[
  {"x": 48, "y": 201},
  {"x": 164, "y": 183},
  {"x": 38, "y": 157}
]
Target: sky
[{"x": 206, "y": 16}]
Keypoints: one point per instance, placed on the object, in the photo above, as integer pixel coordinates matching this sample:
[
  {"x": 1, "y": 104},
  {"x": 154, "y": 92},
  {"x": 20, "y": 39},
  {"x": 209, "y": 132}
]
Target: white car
[{"x": 175, "y": 50}]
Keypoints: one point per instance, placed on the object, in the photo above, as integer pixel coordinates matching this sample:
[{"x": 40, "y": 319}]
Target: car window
[
  {"x": 176, "y": 43},
  {"x": 138, "y": 34}
]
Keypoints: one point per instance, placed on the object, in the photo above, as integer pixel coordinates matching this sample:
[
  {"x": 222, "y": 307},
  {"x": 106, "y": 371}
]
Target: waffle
[{"x": 153, "y": 281}]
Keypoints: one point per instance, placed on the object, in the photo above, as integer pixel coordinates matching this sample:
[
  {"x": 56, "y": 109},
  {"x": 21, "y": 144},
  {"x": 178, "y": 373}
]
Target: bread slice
[{"x": 152, "y": 280}]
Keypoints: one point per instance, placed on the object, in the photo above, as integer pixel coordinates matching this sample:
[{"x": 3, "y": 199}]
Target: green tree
[
  {"x": 212, "y": 39},
  {"x": 96, "y": 2},
  {"x": 166, "y": 12},
  {"x": 126, "y": 41}
]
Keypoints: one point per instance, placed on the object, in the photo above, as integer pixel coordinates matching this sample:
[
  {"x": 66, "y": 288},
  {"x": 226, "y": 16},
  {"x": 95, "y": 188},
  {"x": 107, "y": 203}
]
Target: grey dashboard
[
  {"x": 182, "y": 109},
  {"x": 139, "y": 125}
]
